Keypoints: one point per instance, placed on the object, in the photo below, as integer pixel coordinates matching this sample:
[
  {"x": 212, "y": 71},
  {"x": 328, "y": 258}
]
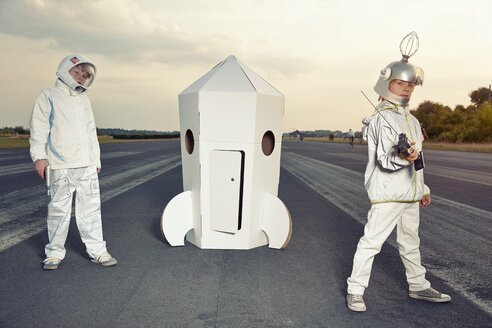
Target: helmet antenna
[{"x": 409, "y": 46}]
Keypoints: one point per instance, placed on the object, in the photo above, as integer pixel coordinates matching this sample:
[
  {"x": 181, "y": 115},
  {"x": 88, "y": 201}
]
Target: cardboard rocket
[{"x": 231, "y": 133}]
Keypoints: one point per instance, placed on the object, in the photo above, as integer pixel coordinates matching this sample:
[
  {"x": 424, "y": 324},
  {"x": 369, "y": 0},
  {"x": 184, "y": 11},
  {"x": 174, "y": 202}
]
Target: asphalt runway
[{"x": 156, "y": 285}]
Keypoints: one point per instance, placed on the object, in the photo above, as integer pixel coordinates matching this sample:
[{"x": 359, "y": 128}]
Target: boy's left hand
[{"x": 426, "y": 200}]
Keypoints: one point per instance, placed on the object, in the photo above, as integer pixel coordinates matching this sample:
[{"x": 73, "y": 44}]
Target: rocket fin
[
  {"x": 177, "y": 219},
  {"x": 277, "y": 223}
]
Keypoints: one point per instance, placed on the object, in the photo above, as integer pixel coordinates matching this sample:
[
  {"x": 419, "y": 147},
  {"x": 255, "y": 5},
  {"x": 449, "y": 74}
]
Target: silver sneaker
[
  {"x": 356, "y": 303},
  {"x": 430, "y": 295},
  {"x": 51, "y": 263},
  {"x": 105, "y": 259}
]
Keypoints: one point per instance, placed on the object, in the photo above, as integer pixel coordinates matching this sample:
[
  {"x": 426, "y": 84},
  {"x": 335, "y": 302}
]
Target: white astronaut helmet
[
  {"x": 84, "y": 63},
  {"x": 401, "y": 70}
]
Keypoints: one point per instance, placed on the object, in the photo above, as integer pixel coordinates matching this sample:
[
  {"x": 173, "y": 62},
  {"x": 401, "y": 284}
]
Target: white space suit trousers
[
  {"x": 381, "y": 220},
  {"x": 84, "y": 183}
]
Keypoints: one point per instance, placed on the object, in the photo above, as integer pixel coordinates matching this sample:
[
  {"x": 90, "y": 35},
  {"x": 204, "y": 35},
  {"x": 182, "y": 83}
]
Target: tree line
[
  {"x": 461, "y": 124},
  {"x": 116, "y": 133},
  {"x": 8, "y": 130}
]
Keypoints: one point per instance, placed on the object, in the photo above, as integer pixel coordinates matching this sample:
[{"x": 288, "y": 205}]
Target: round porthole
[
  {"x": 189, "y": 141},
  {"x": 268, "y": 143}
]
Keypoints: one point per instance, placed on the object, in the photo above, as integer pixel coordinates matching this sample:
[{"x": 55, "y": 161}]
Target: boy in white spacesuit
[
  {"x": 394, "y": 183},
  {"x": 63, "y": 136}
]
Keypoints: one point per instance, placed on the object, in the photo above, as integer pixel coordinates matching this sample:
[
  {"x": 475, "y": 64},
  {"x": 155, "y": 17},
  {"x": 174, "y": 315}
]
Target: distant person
[
  {"x": 424, "y": 133},
  {"x": 365, "y": 124},
  {"x": 395, "y": 188},
  {"x": 351, "y": 137},
  {"x": 63, "y": 136}
]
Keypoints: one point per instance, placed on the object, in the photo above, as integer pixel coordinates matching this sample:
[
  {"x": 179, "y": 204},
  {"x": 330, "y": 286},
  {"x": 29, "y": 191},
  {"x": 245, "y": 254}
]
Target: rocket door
[{"x": 226, "y": 183}]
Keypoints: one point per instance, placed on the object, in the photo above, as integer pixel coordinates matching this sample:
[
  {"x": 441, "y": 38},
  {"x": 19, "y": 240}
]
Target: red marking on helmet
[{"x": 74, "y": 60}]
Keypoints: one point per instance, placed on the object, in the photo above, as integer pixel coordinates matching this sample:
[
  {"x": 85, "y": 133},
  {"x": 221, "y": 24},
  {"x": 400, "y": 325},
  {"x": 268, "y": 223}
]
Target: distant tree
[
  {"x": 460, "y": 108},
  {"x": 12, "y": 130},
  {"x": 484, "y": 122},
  {"x": 433, "y": 117},
  {"x": 20, "y": 130},
  {"x": 480, "y": 96}
]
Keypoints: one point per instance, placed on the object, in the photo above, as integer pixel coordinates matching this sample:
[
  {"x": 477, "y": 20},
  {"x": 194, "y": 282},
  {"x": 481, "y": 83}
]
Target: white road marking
[
  {"x": 19, "y": 210},
  {"x": 16, "y": 168},
  {"x": 460, "y": 174},
  {"x": 455, "y": 237},
  {"x": 29, "y": 166},
  {"x": 116, "y": 154},
  {"x": 483, "y": 178},
  {"x": 4, "y": 158},
  {"x": 127, "y": 179}
]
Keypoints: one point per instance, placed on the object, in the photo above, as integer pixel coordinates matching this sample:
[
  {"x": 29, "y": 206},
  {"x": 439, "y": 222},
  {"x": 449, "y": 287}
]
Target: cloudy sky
[{"x": 318, "y": 53}]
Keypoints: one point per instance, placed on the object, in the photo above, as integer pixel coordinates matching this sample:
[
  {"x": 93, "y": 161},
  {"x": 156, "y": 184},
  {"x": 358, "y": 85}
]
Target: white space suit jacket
[
  {"x": 63, "y": 130},
  {"x": 388, "y": 177}
]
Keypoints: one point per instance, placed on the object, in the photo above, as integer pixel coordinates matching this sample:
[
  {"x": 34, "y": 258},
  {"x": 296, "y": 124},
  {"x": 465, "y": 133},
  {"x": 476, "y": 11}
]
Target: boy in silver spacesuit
[
  {"x": 394, "y": 182},
  {"x": 63, "y": 136}
]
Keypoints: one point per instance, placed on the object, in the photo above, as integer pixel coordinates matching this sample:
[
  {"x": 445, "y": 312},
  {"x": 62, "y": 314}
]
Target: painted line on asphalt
[
  {"x": 15, "y": 157},
  {"x": 18, "y": 210},
  {"x": 483, "y": 178},
  {"x": 29, "y": 166},
  {"x": 460, "y": 174},
  {"x": 16, "y": 168},
  {"x": 344, "y": 188}
]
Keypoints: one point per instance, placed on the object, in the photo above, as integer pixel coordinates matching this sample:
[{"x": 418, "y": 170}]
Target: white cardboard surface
[{"x": 228, "y": 111}]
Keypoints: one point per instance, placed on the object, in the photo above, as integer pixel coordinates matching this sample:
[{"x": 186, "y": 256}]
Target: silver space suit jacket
[
  {"x": 63, "y": 130},
  {"x": 388, "y": 176}
]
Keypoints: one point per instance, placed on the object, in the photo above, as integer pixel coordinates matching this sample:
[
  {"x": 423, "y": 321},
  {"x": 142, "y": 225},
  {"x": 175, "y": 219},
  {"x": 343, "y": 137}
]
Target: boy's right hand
[
  {"x": 414, "y": 155},
  {"x": 40, "y": 166}
]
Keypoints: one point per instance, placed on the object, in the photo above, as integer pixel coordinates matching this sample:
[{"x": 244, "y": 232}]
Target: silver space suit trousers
[
  {"x": 84, "y": 183},
  {"x": 382, "y": 219}
]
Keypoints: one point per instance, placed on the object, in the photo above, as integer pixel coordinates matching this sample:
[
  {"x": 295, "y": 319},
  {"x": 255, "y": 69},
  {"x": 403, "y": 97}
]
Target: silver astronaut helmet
[
  {"x": 84, "y": 64},
  {"x": 401, "y": 70}
]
